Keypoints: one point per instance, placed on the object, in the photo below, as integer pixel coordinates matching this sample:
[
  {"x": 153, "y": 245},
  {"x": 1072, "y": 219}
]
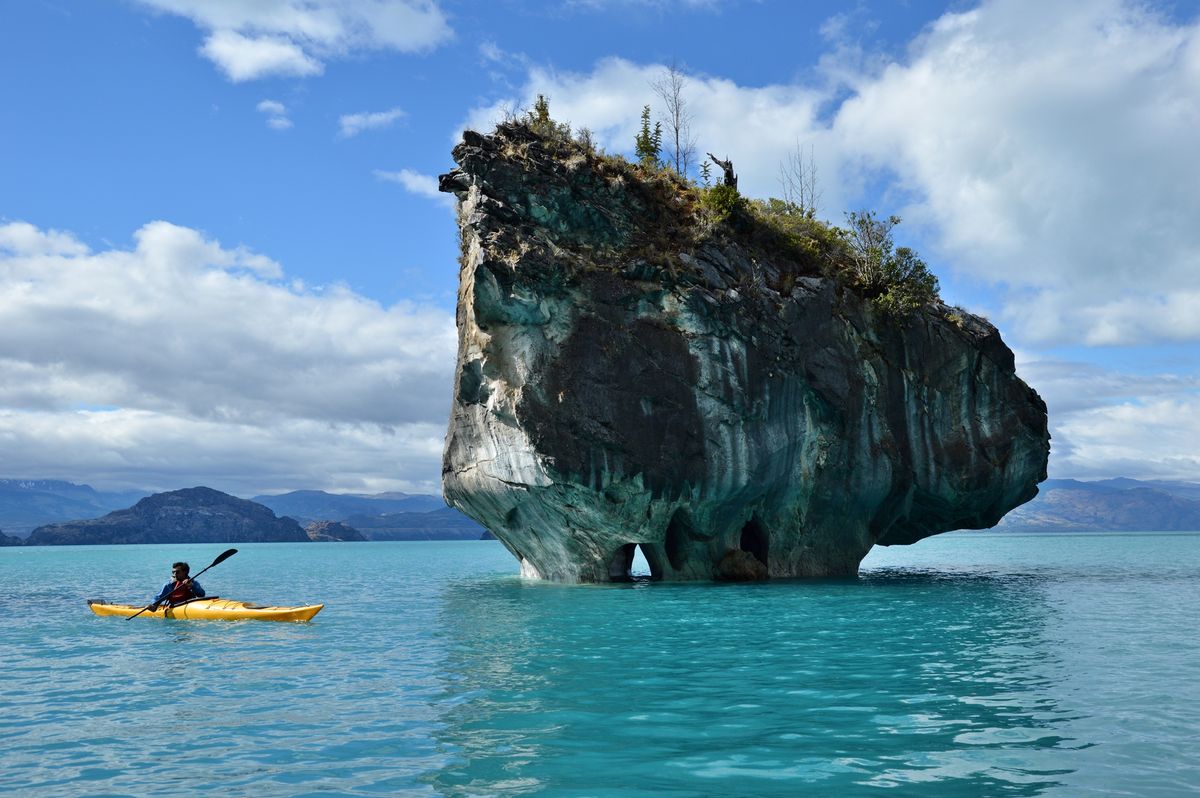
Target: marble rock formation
[{"x": 629, "y": 376}]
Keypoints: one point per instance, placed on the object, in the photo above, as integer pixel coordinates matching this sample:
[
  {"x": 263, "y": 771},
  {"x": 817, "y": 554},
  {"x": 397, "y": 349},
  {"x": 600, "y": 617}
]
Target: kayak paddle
[{"x": 222, "y": 557}]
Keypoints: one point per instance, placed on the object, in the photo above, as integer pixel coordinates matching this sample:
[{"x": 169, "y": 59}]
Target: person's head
[{"x": 180, "y": 570}]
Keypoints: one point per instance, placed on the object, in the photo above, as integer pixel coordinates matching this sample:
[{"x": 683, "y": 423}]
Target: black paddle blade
[{"x": 223, "y": 556}]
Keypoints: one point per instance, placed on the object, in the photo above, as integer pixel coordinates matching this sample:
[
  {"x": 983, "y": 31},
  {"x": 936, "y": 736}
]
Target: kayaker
[{"x": 179, "y": 589}]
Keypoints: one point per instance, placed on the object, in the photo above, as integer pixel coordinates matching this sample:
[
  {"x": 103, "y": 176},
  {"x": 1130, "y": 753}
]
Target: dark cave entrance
[{"x": 754, "y": 540}]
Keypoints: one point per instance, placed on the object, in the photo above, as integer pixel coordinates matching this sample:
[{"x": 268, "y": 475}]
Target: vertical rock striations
[{"x": 630, "y": 375}]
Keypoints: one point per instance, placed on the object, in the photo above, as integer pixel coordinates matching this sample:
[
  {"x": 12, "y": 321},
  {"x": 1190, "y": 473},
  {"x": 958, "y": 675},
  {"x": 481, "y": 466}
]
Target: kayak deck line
[{"x": 210, "y": 609}]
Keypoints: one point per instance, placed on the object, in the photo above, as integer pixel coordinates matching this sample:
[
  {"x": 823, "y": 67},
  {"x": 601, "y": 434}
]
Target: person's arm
[
  {"x": 197, "y": 590},
  {"x": 162, "y": 595}
]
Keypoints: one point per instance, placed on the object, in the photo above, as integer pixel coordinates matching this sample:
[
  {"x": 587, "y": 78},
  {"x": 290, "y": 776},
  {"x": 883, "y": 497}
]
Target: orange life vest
[{"x": 181, "y": 592}]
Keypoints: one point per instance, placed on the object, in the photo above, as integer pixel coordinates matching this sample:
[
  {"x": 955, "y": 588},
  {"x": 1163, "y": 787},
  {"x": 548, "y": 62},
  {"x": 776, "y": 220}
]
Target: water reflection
[{"x": 902, "y": 678}]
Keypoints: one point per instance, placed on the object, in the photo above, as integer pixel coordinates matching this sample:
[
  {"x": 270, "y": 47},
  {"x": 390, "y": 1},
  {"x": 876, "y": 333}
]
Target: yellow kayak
[{"x": 211, "y": 609}]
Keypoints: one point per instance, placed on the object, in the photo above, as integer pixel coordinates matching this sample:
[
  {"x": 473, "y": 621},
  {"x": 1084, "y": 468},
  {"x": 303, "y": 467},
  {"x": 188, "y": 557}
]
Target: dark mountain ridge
[{"x": 191, "y": 515}]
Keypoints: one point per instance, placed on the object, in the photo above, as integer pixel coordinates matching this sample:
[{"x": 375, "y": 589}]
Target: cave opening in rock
[
  {"x": 640, "y": 567},
  {"x": 632, "y": 563},
  {"x": 754, "y": 540}
]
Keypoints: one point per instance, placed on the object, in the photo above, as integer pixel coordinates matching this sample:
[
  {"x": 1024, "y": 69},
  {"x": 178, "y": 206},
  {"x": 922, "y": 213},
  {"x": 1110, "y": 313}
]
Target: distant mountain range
[
  {"x": 29, "y": 503},
  {"x": 381, "y": 516},
  {"x": 1063, "y": 505},
  {"x": 317, "y": 505},
  {"x": 56, "y": 513},
  {"x": 1184, "y": 490},
  {"x": 1114, "y": 505},
  {"x": 444, "y": 524}
]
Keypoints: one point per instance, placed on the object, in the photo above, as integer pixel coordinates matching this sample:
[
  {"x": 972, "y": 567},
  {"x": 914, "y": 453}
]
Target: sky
[{"x": 224, "y": 261}]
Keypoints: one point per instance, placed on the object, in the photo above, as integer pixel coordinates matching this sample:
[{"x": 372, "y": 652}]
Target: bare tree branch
[
  {"x": 669, "y": 87},
  {"x": 731, "y": 179},
  {"x": 798, "y": 178},
  {"x": 727, "y": 167}
]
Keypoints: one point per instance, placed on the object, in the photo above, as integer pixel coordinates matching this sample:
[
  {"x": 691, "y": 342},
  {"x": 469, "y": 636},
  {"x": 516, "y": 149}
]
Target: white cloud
[
  {"x": 250, "y": 40},
  {"x": 417, "y": 183},
  {"x": 1155, "y": 439},
  {"x": 244, "y": 58},
  {"x": 1107, "y": 423},
  {"x": 1050, "y": 149},
  {"x": 182, "y": 361},
  {"x": 158, "y": 451},
  {"x": 490, "y": 51},
  {"x": 277, "y": 115},
  {"x": 353, "y": 124},
  {"x": 22, "y": 238},
  {"x": 1072, "y": 386},
  {"x": 498, "y": 63}
]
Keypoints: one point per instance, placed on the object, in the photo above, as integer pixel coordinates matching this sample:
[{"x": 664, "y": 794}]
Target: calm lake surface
[{"x": 968, "y": 664}]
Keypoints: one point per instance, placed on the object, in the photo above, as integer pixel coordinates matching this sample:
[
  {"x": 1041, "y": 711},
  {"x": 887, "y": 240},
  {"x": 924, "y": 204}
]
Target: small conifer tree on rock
[{"x": 648, "y": 142}]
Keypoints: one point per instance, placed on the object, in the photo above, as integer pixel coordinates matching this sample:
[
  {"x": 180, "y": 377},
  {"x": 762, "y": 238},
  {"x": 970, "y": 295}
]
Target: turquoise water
[{"x": 964, "y": 665}]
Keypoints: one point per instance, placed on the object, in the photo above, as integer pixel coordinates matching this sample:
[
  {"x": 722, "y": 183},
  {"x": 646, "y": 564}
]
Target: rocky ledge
[{"x": 629, "y": 374}]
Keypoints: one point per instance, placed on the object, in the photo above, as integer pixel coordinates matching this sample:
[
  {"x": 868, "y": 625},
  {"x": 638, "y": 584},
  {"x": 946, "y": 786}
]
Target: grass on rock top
[{"x": 678, "y": 216}]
